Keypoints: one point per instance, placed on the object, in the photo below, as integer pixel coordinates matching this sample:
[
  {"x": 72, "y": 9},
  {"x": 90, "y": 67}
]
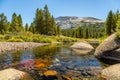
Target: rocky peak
[{"x": 73, "y": 21}]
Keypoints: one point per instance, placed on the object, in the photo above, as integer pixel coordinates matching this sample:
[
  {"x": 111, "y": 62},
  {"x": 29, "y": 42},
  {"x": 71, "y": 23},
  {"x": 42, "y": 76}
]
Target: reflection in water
[
  {"x": 67, "y": 57},
  {"x": 26, "y": 55},
  {"x": 81, "y": 52},
  {"x": 9, "y": 58},
  {"x": 106, "y": 62},
  {"x": 58, "y": 57}
]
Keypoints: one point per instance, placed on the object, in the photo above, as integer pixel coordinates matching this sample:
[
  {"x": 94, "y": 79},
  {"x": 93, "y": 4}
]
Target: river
[{"x": 58, "y": 57}]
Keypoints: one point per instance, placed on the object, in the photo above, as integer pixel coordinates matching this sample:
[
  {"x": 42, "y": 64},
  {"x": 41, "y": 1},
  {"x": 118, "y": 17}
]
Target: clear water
[{"x": 61, "y": 57}]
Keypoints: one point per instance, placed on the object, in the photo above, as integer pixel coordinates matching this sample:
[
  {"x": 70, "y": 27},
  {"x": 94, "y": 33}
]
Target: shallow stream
[{"x": 58, "y": 57}]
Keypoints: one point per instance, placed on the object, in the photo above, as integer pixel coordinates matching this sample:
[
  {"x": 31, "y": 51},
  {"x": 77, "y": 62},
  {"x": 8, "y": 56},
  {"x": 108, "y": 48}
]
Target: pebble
[{"x": 70, "y": 67}]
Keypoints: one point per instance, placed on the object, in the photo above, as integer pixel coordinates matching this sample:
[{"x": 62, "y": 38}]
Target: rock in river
[
  {"x": 111, "y": 73},
  {"x": 13, "y": 74},
  {"x": 109, "y": 49},
  {"x": 50, "y": 75},
  {"x": 82, "y": 47}
]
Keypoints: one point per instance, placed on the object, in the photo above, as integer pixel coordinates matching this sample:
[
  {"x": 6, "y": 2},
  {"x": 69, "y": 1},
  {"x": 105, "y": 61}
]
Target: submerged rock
[
  {"x": 13, "y": 74},
  {"x": 109, "y": 49},
  {"x": 66, "y": 77},
  {"x": 50, "y": 75},
  {"x": 111, "y": 73}
]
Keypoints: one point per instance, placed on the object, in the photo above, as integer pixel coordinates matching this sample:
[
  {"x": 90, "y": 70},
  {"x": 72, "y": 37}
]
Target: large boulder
[
  {"x": 13, "y": 74},
  {"x": 111, "y": 73},
  {"x": 109, "y": 49},
  {"x": 81, "y": 47}
]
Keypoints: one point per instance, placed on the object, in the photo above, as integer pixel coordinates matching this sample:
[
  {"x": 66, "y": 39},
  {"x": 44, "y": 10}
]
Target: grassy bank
[{"x": 30, "y": 37}]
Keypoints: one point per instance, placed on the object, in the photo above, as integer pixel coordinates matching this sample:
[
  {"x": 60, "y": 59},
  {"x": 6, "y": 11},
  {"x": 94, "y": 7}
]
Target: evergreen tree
[
  {"x": 8, "y": 26},
  {"x": 26, "y": 27},
  {"x": 39, "y": 21},
  {"x": 32, "y": 28},
  {"x": 115, "y": 20},
  {"x": 20, "y": 22},
  {"x": 110, "y": 24},
  {"x": 16, "y": 23},
  {"x": 48, "y": 21},
  {"x": 3, "y": 23},
  {"x": 118, "y": 25},
  {"x": 44, "y": 23},
  {"x": 54, "y": 29},
  {"x": 58, "y": 31}
]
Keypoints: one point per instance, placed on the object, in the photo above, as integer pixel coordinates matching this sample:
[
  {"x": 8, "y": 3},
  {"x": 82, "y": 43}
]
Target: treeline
[
  {"x": 43, "y": 23},
  {"x": 15, "y": 26},
  {"x": 87, "y": 31},
  {"x": 112, "y": 23}
]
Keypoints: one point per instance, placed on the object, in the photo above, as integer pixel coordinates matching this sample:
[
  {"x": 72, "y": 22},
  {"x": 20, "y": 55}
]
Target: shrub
[
  {"x": 15, "y": 40},
  {"x": 2, "y": 37},
  {"x": 102, "y": 39},
  {"x": 46, "y": 40}
]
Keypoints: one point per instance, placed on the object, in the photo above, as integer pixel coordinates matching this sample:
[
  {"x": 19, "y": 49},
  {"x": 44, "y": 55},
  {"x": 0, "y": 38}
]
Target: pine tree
[
  {"x": 54, "y": 27},
  {"x": 118, "y": 26},
  {"x": 3, "y": 23},
  {"x": 115, "y": 20},
  {"x": 39, "y": 21},
  {"x": 16, "y": 23},
  {"x": 48, "y": 21},
  {"x": 8, "y": 26},
  {"x": 58, "y": 31},
  {"x": 108, "y": 24},
  {"x": 32, "y": 28},
  {"x": 26, "y": 27},
  {"x": 20, "y": 22}
]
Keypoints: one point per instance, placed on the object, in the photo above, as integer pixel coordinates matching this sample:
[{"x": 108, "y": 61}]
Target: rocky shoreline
[{"x": 14, "y": 46}]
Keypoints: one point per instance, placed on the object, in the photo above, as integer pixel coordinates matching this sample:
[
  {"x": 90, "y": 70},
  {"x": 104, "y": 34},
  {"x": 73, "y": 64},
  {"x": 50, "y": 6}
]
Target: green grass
[
  {"x": 102, "y": 38},
  {"x": 118, "y": 35},
  {"x": 30, "y": 37}
]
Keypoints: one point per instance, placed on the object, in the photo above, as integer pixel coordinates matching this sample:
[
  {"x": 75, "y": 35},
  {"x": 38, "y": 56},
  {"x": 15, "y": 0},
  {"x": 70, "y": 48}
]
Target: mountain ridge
[{"x": 72, "y": 21}]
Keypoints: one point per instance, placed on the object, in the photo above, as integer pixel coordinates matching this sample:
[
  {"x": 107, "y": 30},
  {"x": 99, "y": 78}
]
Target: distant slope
[{"x": 73, "y": 21}]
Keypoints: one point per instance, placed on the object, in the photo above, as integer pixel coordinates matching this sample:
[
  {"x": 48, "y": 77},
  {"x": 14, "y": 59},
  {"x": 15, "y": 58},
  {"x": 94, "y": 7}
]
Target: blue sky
[{"x": 80, "y": 8}]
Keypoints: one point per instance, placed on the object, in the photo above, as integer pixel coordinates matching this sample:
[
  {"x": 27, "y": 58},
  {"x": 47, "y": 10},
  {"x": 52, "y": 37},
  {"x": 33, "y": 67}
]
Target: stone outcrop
[
  {"x": 109, "y": 49},
  {"x": 13, "y": 74},
  {"x": 81, "y": 47},
  {"x": 111, "y": 73}
]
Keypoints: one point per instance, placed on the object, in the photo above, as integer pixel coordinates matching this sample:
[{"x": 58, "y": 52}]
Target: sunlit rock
[
  {"x": 111, "y": 73},
  {"x": 81, "y": 47},
  {"x": 50, "y": 75},
  {"x": 109, "y": 49},
  {"x": 13, "y": 74}
]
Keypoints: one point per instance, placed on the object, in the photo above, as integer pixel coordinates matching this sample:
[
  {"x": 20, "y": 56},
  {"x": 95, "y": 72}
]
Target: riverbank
[{"x": 13, "y": 46}]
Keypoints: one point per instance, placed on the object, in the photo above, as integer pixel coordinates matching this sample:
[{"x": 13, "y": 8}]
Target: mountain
[{"x": 72, "y": 21}]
